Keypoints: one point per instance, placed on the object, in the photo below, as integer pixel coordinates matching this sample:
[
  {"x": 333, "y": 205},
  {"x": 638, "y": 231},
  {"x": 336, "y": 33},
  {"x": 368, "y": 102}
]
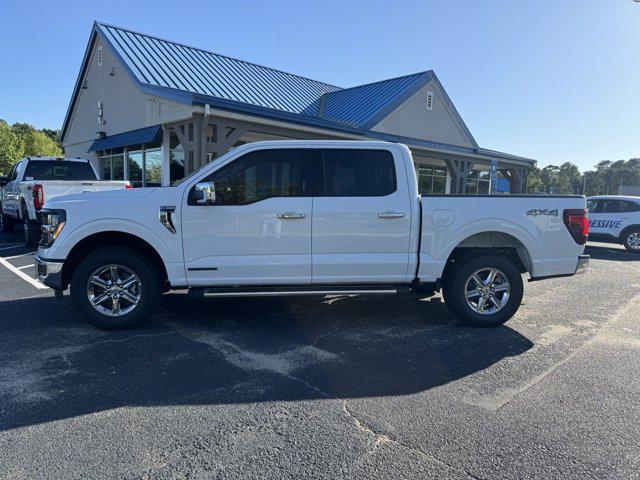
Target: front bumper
[
  {"x": 49, "y": 272},
  {"x": 583, "y": 264}
]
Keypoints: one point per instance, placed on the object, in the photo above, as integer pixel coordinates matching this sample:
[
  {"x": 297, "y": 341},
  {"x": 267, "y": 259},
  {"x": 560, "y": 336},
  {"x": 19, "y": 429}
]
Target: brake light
[
  {"x": 577, "y": 223},
  {"x": 128, "y": 186},
  {"x": 38, "y": 196}
]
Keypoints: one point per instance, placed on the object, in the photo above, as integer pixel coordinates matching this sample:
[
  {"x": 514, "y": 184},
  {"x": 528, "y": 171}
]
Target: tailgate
[{"x": 56, "y": 188}]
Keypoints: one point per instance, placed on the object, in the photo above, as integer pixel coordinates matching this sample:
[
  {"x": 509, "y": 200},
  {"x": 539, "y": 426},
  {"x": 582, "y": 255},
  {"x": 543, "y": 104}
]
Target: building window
[
  {"x": 144, "y": 163},
  {"x": 99, "y": 55},
  {"x": 135, "y": 159},
  {"x": 478, "y": 182},
  {"x": 212, "y": 133},
  {"x": 112, "y": 164},
  {"x": 176, "y": 159},
  {"x": 432, "y": 179},
  {"x": 429, "y": 100},
  {"x": 152, "y": 167}
]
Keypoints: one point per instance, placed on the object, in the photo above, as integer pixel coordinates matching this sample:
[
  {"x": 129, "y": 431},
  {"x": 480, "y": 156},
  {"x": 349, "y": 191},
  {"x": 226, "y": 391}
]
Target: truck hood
[{"x": 105, "y": 197}]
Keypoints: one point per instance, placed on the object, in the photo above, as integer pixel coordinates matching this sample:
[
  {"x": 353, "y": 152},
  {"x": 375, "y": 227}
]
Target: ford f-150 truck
[
  {"x": 33, "y": 180},
  {"x": 304, "y": 218}
]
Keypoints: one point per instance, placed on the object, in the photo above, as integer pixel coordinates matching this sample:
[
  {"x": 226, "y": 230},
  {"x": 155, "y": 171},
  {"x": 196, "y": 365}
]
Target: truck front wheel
[
  {"x": 483, "y": 291},
  {"x": 115, "y": 289}
]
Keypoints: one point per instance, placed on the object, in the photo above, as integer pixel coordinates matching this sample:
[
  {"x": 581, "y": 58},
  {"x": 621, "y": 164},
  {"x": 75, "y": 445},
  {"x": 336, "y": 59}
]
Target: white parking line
[
  {"x": 11, "y": 246},
  {"x": 23, "y": 275},
  {"x": 18, "y": 256},
  {"x": 26, "y": 266}
]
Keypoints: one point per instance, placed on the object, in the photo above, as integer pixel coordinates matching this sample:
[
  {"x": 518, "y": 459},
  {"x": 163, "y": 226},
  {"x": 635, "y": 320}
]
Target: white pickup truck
[
  {"x": 304, "y": 218},
  {"x": 33, "y": 180}
]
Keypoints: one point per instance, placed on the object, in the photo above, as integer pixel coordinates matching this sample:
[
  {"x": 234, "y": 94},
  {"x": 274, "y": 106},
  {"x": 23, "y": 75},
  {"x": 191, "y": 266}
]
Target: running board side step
[{"x": 298, "y": 290}]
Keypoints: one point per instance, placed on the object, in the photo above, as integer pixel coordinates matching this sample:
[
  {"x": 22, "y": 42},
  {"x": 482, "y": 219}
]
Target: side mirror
[
  {"x": 3, "y": 180},
  {"x": 205, "y": 193}
]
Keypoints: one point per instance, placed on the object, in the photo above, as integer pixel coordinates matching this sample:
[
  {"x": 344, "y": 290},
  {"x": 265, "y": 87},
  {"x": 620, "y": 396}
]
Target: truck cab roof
[
  {"x": 60, "y": 159},
  {"x": 629, "y": 198}
]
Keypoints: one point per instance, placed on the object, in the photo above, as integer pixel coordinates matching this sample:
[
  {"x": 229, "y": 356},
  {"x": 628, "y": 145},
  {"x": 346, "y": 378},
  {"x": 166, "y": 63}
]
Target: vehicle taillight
[
  {"x": 578, "y": 224},
  {"x": 127, "y": 186},
  {"x": 38, "y": 196}
]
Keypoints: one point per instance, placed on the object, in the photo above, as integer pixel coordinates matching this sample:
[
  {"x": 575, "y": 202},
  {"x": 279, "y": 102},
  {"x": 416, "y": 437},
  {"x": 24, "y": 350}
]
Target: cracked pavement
[{"x": 334, "y": 387}]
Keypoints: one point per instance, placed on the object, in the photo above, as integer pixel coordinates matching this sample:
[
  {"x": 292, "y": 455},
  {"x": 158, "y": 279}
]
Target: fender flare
[
  {"x": 117, "y": 225},
  {"x": 626, "y": 229},
  {"x": 488, "y": 225}
]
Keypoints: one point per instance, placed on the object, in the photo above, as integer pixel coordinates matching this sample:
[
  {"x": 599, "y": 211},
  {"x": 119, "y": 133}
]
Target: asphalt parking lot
[{"x": 339, "y": 387}]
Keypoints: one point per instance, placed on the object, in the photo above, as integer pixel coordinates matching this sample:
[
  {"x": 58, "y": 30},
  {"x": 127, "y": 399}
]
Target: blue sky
[{"x": 554, "y": 80}]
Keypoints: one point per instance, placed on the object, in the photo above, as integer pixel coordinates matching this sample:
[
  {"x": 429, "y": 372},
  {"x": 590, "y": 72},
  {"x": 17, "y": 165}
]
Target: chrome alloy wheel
[
  {"x": 633, "y": 241},
  {"x": 114, "y": 290},
  {"x": 487, "y": 291}
]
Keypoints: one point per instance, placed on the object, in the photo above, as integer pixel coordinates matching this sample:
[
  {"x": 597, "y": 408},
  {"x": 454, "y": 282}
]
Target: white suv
[{"x": 615, "y": 219}]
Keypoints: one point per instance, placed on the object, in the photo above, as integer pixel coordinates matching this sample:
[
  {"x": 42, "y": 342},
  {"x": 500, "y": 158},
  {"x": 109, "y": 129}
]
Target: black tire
[
  {"x": 630, "y": 240},
  {"x": 455, "y": 289},
  {"x": 149, "y": 292},
  {"x": 31, "y": 233},
  {"x": 7, "y": 223}
]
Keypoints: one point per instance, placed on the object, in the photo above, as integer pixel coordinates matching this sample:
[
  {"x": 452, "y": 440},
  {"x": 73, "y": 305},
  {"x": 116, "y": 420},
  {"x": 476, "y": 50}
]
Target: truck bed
[{"x": 533, "y": 224}]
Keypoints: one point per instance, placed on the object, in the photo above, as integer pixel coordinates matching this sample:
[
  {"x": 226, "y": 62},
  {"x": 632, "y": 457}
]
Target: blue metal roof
[
  {"x": 161, "y": 63},
  {"x": 357, "y": 106},
  {"x": 134, "y": 137}
]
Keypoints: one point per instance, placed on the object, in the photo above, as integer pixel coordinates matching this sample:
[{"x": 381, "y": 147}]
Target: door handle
[
  {"x": 290, "y": 216},
  {"x": 391, "y": 215}
]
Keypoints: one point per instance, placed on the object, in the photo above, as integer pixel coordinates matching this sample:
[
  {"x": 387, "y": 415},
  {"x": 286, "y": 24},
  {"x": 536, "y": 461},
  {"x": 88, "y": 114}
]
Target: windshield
[{"x": 58, "y": 170}]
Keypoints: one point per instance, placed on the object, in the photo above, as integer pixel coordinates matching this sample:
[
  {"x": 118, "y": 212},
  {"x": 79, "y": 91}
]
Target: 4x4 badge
[{"x": 535, "y": 212}]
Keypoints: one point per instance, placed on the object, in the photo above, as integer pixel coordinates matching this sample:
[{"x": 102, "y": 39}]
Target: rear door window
[
  {"x": 631, "y": 207},
  {"x": 357, "y": 173},
  {"x": 59, "y": 170},
  {"x": 618, "y": 206}
]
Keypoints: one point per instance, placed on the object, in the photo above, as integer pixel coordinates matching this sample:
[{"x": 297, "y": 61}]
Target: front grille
[{"x": 42, "y": 270}]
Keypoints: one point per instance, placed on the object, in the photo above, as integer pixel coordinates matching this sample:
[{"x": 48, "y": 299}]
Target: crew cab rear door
[{"x": 361, "y": 216}]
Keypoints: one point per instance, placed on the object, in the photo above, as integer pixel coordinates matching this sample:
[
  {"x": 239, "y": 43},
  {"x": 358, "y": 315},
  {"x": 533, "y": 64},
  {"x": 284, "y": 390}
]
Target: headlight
[{"x": 52, "y": 224}]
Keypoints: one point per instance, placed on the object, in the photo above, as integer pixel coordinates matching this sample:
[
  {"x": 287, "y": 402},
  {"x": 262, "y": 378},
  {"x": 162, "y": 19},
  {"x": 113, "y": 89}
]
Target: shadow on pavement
[
  {"x": 226, "y": 351},
  {"x": 611, "y": 253}
]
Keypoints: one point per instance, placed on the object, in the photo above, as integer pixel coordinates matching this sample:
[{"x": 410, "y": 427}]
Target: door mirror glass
[
  {"x": 3, "y": 180},
  {"x": 205, "y": 193}
]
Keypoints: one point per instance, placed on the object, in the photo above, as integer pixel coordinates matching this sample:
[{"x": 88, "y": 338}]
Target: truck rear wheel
[
  {"x": 483, "y": 291},
  {"x": 115, "y": 289}
]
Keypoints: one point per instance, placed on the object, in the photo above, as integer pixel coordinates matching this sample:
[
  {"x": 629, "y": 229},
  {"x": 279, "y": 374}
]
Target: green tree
[
  {"x": 11, "y": 148},
  {"x": 37, "y": 143},
  {"x": 53, "y": 135}
]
